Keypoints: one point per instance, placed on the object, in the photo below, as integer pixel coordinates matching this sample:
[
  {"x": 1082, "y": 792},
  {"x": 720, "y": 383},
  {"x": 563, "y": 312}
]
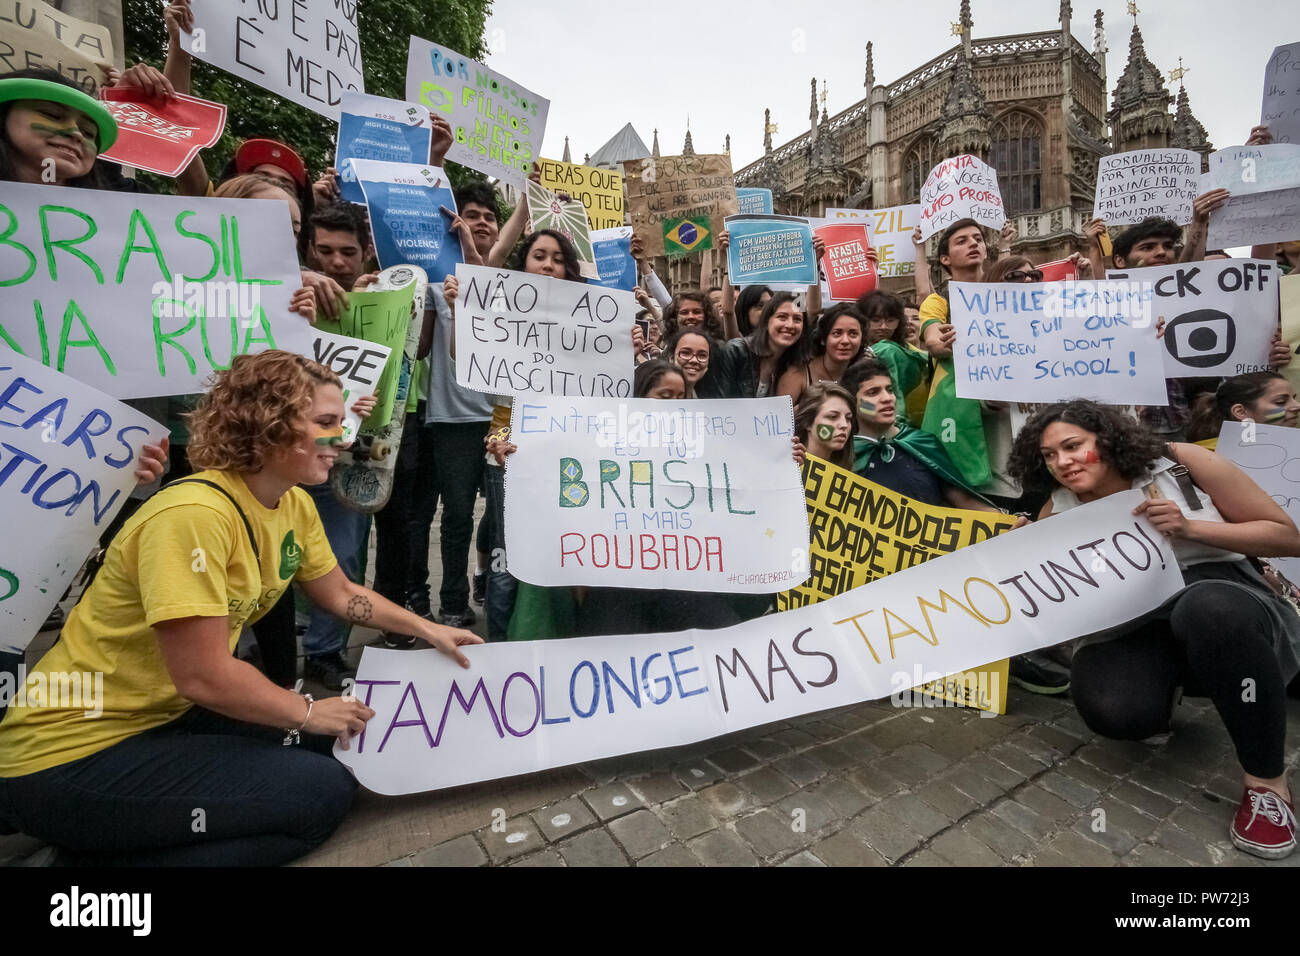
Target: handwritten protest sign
[
  {"x": 599, "y": 190},
  {"x": 862, "y": 531},
  {"x": 614, "y": 262},
  {"x": 379, "y": 320},
  {"x": 890, "y": 231},
  {"x": 141, "y": 295},
  {"x": 69, "y": 464},
  {"x": 305, "y": 51},
  {"x": 357, "y": 363},
  {"x": 161, "y": 135},
  {"x": 754, "y": 202},
  {"x": 1270, "y": 455},
  {"x": 1265, "y": 185},
  {"x": 525, "y": 707},
  {"x": 569, "y": 219},
  {"x": 523, "y": 334},
  {"x": 770, "y": 249},
  {"x": 1289, "y": 306},
  {"x": 701, "y": 495},
  {"x": 497, "y": 125},
  {"x": 34, "y": 34},
  {"x": 676, "y": 204},
  {"x": 378, "y": 128},
  {"x": 849, "y": 273},
  {"x": 1219, "y": 315},
  {"x": 1043, "y": 342},
  {"x": 405, "y": 203},
  {"x": 1147, "y": 182},
  {"x": 1281, "y": 109},
  {"x": 964, "y": 187}
]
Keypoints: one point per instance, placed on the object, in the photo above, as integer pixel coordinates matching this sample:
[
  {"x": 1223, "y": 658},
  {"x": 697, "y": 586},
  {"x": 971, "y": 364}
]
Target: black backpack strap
[
  {"x": 1183, "y": 477},
  {"x": 243, "y": 517}
]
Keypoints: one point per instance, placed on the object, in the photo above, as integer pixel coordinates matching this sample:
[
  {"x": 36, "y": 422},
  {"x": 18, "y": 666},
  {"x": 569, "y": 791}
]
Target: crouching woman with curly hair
[
  {"x": 1225, "y": 636},
  {"x": 182, "y": 760}
]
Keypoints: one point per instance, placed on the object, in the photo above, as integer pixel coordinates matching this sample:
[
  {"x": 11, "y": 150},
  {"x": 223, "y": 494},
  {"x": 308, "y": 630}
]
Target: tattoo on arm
[{"x": 359, "y": 609}]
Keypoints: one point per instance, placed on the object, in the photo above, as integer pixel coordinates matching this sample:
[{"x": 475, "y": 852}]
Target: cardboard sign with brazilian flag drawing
[
  {"x": 862, "y": 531},
  {"x": 676, "y": 204}
]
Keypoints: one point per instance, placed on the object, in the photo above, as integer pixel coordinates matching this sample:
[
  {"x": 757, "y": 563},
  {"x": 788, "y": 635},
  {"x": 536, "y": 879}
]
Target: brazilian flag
[{"x": 684, "y": 236}]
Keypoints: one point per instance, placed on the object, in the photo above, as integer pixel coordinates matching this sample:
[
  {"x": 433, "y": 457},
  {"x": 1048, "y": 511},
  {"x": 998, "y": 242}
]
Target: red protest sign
[
  {"x": 1059, "y": 270},
  {"x": 161, "y": 134},
  {"x": 849, "y": 273}
]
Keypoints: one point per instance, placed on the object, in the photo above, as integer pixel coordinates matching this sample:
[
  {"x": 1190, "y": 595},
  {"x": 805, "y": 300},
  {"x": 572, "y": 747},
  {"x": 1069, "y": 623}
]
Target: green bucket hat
[{"x": 24, "y": 88}]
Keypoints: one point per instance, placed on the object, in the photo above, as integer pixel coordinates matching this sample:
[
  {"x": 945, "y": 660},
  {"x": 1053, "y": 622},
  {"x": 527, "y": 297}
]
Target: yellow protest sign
[
  {"x": 1289, "y": 290},
  {"x": 862, "y": 531},
  {"x": 599, "y": 190},
  {"x": 35, "y": 34}
]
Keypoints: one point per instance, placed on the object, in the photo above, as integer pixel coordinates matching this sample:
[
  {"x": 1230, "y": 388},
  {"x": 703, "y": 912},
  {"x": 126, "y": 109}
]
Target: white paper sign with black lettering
[
  {"x": 358, "y": 364},
  {"x": 306, "y": 51},
  {"x": 524, "y": 334},
  {"x": 1281, "y": 109},
  {"x": 1270, "y": 455},
  {"x": 698, "y": 495},
  {"x": 964, "y": 187},
  {"x": 1147, "y": 182},
  {"x": 69, "y": 456},
  {"x": 1219, "y": 315},
  {"x": 141, "y": 295},
  {"x": 526, "y": 706},
  {"x": 1265, "y": 203},
  {"x": 1054, "y": 341}
]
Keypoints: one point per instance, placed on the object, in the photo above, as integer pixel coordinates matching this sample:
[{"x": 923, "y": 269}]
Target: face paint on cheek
[
  {"x": 70, "y": 131},
  {"x": 825, "y": 432},
  {"x": 867, "y": 407},
  {"x": 329, "y": 437},
  {"x": 1276, "y": 415},
  {"x": 1092, "y": 457}
]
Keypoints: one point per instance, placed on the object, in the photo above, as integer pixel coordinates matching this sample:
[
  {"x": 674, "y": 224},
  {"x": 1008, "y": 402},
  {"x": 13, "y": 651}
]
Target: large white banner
[
  {"x": 891, "y": 236},
  {"x": 1220, "y": 315},
  {"x": 141, "y": 295},
  {"x": 306, "y": 51},
  {"x": 524, "y": 334},
  {"x": 697, "y": 495},
  {"x": 1265, "y": 203},
  {"x": 964, "y": 187},
  {"x": 523, "y": 707},
  {"x": 1147, "y": 182},
  {"x": 1270, "y": 455},
  {"x": 68, "y": 455},
  {"x": 1054, "y": 341},
  {"x": 497, "y": 125}
]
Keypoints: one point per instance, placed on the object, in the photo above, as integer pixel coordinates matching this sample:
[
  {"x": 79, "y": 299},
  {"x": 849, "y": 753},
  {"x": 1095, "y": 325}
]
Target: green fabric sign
[{"x": 383, "y": 318}]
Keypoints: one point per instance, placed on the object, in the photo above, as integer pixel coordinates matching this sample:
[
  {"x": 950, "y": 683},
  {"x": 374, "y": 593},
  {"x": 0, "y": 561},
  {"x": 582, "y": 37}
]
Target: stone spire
[
  {"x": 1064, "y": 16},
  {"x": 1139, "y": 114},
  {"x": 688, "y": 148},
  {"x": 654, "y": 150},
  {"x": 727, "y": 147},
  {"x": 586, "y": 159},
  {"x": 767, "y": 131},
  {"x": 1188, "y": 132},
  {"x": 1098, "y": 34},
  {"x": 967, "y": 24},
  {"x": 870, "y": 80},
  {"x": 567, "y": 157},
  {"x": 966, "y": 117}
]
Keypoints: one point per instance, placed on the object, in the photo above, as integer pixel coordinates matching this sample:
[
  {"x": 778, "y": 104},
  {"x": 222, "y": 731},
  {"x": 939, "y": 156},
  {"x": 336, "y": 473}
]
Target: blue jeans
[
  {"x": 138, "y": 802},
  {"x": 349, "y": 534},
  {"x": 501, "y": 587}
]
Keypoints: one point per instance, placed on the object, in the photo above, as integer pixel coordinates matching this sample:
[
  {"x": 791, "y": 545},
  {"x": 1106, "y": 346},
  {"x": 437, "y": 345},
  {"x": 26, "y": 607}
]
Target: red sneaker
[{"x": 1265, "y": 824}]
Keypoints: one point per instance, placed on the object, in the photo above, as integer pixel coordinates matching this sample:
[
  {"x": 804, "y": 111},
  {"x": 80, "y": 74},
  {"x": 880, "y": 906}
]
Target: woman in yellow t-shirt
[{"x": 175, "y": 757}]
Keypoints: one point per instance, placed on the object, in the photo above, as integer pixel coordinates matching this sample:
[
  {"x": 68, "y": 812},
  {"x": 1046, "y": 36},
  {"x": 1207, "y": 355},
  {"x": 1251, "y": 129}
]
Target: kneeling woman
[
  {"x": 1223, "y": 632},
  {"x": 184, "y": 725}
]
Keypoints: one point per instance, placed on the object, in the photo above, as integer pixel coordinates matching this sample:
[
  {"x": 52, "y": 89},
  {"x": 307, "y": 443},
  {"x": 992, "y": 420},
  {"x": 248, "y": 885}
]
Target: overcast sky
[{"x": 721, "y": 62}]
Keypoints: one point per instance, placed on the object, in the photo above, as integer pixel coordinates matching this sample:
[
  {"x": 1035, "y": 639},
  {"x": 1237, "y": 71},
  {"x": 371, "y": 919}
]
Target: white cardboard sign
[
  {"x": 1147, "y": 182},
  {"x": 358, "y": 364},
  {"x": 964, "y": 187}
]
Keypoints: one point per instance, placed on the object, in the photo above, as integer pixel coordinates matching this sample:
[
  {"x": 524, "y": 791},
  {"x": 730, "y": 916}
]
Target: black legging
[
  {"x": 641, "y": 611},
  {"x": 1215, "y": 640}
]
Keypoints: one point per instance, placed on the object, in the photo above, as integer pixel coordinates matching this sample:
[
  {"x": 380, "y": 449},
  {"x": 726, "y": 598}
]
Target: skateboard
[{"x": 362, "y": 478}]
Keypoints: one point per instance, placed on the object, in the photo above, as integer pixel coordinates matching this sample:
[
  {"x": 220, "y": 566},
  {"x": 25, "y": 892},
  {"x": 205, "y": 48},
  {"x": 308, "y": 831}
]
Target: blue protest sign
[
  {"x": 407, "y": 224},
  {"x": 614, "y": 262},
  {"x": 768, "y": 249},
  {"x": 378, "y": 128},
  {"x": 754, "y": 202}
]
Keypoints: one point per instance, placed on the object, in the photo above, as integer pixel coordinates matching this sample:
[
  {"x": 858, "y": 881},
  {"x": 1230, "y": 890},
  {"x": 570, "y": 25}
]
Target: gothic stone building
[{"x": 1032, "y": 105}]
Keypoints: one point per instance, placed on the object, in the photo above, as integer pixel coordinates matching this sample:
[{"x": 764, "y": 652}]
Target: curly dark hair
[
  {"x": 712, "y": 324},
  {"x": 1122, "y": 442},
  {"x": 572, "y": 272}
]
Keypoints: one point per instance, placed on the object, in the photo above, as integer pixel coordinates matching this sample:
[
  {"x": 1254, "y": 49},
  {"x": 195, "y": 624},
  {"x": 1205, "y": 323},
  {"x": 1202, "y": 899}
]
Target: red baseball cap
[{"x": 268, "y": 152}]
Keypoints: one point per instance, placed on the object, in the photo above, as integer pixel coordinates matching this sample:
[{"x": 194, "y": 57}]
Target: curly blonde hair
[{"x": 254, "y": 407}]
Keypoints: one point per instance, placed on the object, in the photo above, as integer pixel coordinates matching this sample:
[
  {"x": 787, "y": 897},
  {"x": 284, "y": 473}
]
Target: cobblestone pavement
[{"x": 868, "y": 785}]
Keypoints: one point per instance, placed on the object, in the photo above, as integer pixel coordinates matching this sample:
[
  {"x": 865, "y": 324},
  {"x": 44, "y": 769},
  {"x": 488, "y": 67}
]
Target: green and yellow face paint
[
  {"x": 825, "y": 432},
  {"x": 330, "y": 437},
  {"x": 72, "y": 131}
]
